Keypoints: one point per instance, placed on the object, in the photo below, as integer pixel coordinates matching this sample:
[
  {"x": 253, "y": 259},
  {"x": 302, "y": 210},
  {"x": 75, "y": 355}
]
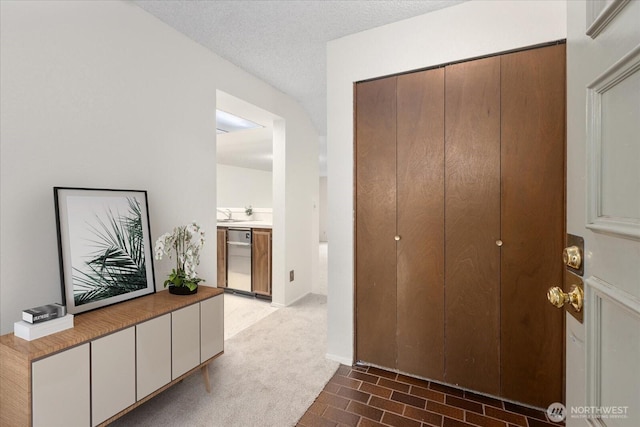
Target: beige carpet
[
  {"x": 240, "y": 312},
  {"x": 269, "y": 375}
]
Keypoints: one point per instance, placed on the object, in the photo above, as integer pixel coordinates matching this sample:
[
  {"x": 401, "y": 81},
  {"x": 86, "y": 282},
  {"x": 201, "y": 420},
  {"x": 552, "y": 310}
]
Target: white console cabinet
[{"x": 113, "y": 360}]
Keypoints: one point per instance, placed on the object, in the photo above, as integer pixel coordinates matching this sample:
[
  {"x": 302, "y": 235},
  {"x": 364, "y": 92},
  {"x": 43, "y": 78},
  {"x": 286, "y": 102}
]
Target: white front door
[{"x": 603, "y": 206}]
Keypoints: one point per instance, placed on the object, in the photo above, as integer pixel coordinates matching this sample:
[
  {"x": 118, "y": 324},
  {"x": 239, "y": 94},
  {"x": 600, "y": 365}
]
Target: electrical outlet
[{"x": 291, "y": 276}]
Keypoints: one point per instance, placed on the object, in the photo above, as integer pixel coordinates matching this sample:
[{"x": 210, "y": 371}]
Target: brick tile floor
[{"x": 372, "y": 397}]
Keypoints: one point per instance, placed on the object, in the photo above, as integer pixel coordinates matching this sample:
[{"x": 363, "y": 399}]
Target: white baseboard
[{"x": 340, "y": 359}]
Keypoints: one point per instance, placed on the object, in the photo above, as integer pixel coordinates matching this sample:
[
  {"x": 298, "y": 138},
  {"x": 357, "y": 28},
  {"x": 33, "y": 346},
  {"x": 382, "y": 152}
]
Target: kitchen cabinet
[
  {"x": 261, "y": 261},
  {"x": 222, "y": 257},
  {"x": 88, "y": 375},
  {"x": 459, "y": 223}
]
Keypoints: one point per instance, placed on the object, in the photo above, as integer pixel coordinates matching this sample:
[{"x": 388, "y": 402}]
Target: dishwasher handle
[{"x": 238, "y": 244}]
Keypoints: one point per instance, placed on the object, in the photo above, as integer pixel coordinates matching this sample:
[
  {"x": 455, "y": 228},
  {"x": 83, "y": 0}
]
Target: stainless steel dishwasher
[{"x": 239, "y": 259}]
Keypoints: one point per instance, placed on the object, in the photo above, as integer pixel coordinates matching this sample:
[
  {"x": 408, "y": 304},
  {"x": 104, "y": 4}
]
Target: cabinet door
[
  {"x": 222, "y": 257},
  {"x": 420, "y": 214},
  {"x": 113, "y": 374},
  {"x": 61, "y": 389},
  {"x": 261, "y": 262},
  {"x": 375, "y": 163},
  {"x": 472, "y": 226},
  {"x": 211, "y": 327},
  {"x": 153, "y": 355},
  {"x": 185, "y": 340}
]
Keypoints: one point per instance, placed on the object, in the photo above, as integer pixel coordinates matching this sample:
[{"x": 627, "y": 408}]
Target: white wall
[
  {"x": 465, "y": 31},
  {"x": 241, "y": 187},
  {"x": 102, "y": 94},
  {"x": 324, "y": 211}
]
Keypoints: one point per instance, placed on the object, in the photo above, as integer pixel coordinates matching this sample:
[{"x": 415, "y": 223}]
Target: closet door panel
[
  {"x": 420, "y": 214},
  {"x": 533, "y": 162},
  {"x": 472, "y": 226},
  {"x": 375, "y": 180}
]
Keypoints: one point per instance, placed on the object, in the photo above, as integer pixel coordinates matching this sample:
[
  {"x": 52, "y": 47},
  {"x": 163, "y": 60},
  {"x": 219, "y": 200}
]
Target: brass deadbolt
[{"x": 572, "y": 257}]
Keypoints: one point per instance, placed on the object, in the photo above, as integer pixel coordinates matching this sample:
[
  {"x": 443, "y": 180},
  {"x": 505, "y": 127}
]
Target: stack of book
[{"x": 41, "y": 321}]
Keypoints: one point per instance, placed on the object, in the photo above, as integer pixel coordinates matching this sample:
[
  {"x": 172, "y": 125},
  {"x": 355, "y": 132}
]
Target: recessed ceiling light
[{"x": 227, "y": 122}]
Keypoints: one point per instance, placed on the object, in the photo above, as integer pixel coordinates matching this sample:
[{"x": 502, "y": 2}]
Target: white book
[{"x": 32, "y": 331}]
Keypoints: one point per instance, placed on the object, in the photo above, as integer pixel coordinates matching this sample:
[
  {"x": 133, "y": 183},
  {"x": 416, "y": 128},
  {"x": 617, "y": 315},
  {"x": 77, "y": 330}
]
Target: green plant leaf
[{"x": 118, "y": 264}]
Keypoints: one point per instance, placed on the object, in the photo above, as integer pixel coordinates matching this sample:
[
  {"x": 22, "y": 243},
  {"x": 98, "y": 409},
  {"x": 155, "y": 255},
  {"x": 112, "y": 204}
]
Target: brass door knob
[
  {"x": 397, "y": 238},
  {"x": 499, "y": 242},
  {"x": 575, "y": 297},
  {"x": 571, "y": 257}
]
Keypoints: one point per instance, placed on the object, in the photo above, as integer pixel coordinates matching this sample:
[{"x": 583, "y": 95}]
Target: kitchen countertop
[{"x": 245, "y": 224}]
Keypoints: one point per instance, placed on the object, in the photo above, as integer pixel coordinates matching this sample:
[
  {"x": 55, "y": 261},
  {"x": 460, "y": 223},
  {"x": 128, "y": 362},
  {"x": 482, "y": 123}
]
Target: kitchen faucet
[{"x": 227, "y": 212}]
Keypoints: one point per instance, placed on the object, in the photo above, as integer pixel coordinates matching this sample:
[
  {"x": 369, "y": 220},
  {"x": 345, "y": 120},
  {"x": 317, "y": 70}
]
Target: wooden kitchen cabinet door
[
  {"x": 261, "y": 262},
  {"x": 375, "y": 259},
  {"x": 222, "y": 257}
]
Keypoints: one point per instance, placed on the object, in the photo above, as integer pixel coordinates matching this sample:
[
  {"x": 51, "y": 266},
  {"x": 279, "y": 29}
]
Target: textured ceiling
[{"x": 283, "y": 42}]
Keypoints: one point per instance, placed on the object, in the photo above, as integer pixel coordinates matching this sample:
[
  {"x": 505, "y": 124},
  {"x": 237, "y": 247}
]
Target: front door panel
[{"x": 603, "y": 206}]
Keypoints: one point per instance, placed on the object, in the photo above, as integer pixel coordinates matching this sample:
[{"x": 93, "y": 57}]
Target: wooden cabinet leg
[{"x": 205, "y": 374}]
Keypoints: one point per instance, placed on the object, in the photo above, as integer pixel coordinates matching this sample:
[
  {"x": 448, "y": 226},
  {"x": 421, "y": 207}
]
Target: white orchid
[{"x": 186, "y": 241}]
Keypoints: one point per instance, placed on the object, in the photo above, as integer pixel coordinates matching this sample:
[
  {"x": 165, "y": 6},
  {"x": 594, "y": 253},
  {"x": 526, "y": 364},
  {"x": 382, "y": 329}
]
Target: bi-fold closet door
[
  {"x": 460, "y": 223},
  {"x": 400, "y": 223}
]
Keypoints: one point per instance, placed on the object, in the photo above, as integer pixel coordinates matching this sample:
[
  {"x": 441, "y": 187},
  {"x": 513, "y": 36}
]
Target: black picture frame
[{"x": 104, "y": 246}]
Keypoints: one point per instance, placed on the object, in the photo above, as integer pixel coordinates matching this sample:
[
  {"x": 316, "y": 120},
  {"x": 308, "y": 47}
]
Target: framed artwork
[{"x": 104, "y": 244}]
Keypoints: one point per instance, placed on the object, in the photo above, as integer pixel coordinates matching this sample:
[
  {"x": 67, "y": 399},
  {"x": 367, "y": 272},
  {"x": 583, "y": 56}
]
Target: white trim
[
  {"x": 600, "y": 13},
  {"x": 598, "y": 290},
  {"x": 618, "y": 72},
  {"x": 339, "y": 359}
]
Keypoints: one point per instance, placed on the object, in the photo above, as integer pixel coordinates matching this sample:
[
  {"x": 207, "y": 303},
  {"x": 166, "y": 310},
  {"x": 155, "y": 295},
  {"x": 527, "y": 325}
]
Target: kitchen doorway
[{"x": 246, "y": 188}]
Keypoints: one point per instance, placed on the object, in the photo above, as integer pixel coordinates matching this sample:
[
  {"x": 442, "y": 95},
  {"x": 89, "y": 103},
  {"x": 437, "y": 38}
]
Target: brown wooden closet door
[
  {"x": 533, "y": 147},
  {"x": 261, "y": 261},
  {"x": 472, "y": 226},
  {"x": 420, "y": 250},
  {"x": 375, "y": 180}
]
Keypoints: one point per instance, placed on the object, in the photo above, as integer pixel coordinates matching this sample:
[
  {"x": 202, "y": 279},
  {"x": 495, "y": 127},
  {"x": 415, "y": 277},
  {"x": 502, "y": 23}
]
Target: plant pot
[{"x": 182, "y": 290}]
